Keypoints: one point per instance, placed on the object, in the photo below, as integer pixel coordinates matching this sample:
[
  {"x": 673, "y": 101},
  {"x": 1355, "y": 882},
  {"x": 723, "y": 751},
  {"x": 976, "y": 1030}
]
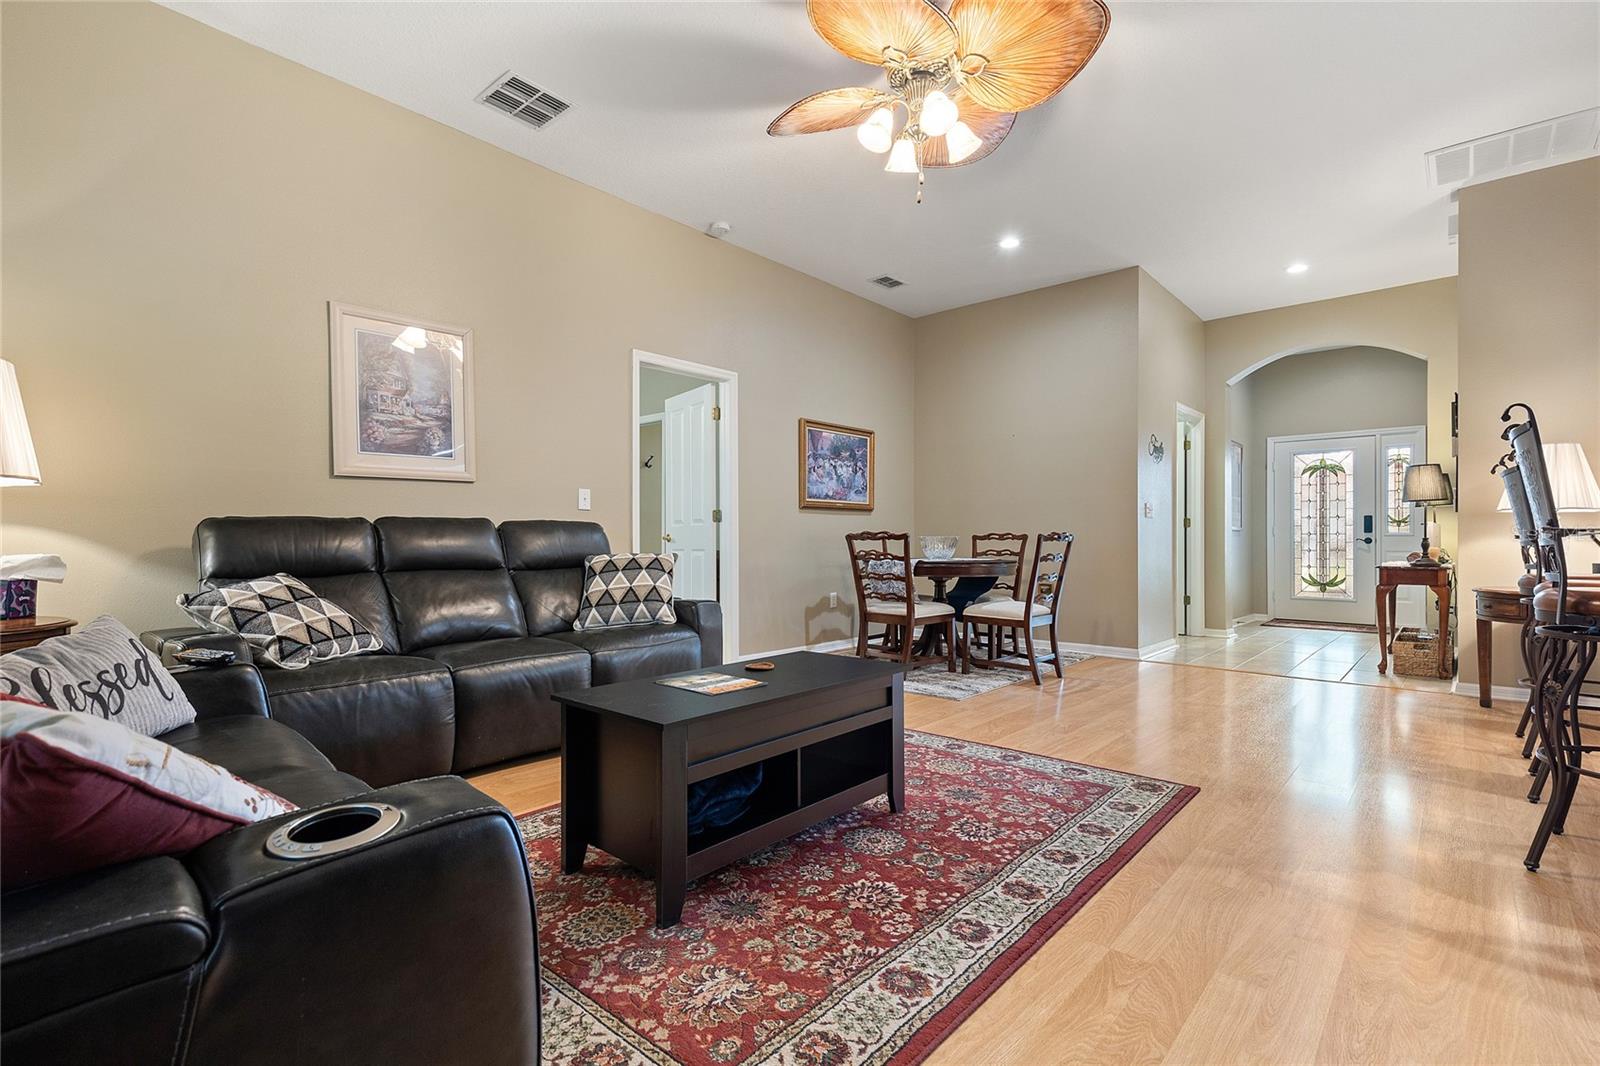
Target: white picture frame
[
  {"x": 1235, "y": 486},
  {"x": 400, "y": 390}
]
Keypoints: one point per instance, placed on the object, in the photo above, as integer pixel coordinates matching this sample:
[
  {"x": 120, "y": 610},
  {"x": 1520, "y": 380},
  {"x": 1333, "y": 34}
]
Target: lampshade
[
  {"x": 1426, "y": 483},
  {"x": 18, "y": 463},
  {"x": 1571, "y": 479}
]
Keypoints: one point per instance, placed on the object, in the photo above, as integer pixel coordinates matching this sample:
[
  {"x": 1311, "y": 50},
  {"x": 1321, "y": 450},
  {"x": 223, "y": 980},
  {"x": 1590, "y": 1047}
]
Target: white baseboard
[
  {"x": 1246, "y": 619},
  {"x": 1513, "y": 693},
  {"x": 1209, "y": 632},
  {"x": 1108, "y": 650},
  {"x": 824, "y": 646},
  {"x": 1155, "y": 649}
]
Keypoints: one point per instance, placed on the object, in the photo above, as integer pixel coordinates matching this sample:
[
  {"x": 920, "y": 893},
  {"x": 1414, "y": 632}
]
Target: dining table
[{"x": 973, "y": 576}]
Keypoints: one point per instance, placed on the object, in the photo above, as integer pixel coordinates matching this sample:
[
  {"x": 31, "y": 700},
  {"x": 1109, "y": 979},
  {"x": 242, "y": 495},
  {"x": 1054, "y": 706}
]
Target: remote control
[{"x": 204, "y": 657}]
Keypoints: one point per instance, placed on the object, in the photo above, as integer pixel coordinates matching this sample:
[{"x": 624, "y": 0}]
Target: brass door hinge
[
  {"x": 716, "y": 514},
  {"x": 1186, "y": 601},
  {"x": 1187, "y": 523},
  {"x": 1186, "y": 444},
  {"x": 716, "y": 414}
]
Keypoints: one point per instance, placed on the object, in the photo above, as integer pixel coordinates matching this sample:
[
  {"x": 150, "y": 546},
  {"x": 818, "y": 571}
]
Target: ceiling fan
[{"x": 960, "y": 78}]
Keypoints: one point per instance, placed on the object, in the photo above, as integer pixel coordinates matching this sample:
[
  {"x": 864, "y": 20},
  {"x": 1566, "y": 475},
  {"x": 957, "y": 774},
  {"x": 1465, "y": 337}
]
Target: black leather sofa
[
  {"x": 476, "y": 623},
  {"x": 415, "y": 949}
]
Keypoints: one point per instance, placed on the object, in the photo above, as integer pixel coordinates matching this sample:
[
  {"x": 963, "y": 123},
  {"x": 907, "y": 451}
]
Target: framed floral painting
[
  {"x": 402, "y": 396},
  {"x": 835, "y": 467}
]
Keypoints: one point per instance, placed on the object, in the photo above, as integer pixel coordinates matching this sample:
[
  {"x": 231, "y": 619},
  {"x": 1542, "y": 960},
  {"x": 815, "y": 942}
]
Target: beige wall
[
  {"x": 1319, "y": 392},
  {"x": 1172, "y": 361},
  {"x": 1022, "y": 412},
  {"x": 1530, "y": 332},
  {"x": 1416, "y": 319},
  {"x": 650, "y": 487},
  {"x": 180, "y": 206}
]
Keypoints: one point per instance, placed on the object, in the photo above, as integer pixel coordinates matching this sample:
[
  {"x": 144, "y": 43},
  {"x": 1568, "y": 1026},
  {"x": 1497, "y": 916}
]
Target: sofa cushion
[
  {"x": 81, "y": 792},
  {"x": 447, "y": 581},
  {"x": 383, "y": 718},
  {"x": 624, "y": 653},
  {"x": 546, "y": 560},
  {"x": 336, "y": 557},
  {"x": 626, "y": 589},
  {"x": 76, "y": 939},
  {"x": 269, "y": 754},
  {"x": 502, "y": 693},
  {"x": 284, "y": 622},
  {"x": 102, "y": 670}
]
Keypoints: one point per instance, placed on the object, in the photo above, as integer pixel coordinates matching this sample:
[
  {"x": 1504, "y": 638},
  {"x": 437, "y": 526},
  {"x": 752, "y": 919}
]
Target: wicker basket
[{"x": 1416, "y": 654}]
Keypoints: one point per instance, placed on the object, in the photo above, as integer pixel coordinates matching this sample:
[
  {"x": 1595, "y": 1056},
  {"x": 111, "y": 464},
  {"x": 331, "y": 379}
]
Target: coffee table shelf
[{"x": 829, "y": 732}]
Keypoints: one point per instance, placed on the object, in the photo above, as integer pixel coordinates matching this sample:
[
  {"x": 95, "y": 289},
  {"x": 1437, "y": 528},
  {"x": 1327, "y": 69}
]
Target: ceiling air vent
[
  {"x": 1555, "y": 140},
  {"x": 887, "y": 282},
  {"x": 523, "y": 101}
]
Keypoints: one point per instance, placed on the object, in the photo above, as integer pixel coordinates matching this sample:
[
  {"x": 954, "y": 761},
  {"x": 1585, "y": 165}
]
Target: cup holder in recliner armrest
[{"x": 333, "y": 829}]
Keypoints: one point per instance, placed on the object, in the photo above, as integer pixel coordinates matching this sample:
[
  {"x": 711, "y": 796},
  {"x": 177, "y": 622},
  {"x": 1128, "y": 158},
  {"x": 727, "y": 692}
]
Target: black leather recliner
[
  {"x": 228, "y": 955},
  {"x": 476, "y": 624}
]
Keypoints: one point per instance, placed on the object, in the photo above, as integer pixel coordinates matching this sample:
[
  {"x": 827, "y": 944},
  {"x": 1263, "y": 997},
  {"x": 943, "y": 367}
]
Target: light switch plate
[{"x": 583, "y": 500}]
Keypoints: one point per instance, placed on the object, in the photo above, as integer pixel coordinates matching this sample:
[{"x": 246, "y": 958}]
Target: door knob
[
  {"x": 1364, "y": 540},
  {"x": 667, "y": 537}
]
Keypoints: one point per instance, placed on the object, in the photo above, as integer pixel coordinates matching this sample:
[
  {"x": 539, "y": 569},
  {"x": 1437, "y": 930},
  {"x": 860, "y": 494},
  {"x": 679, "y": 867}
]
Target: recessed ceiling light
[
  {"x": 1010, "y": 241},
  {"x": 1296, "y": 268}
]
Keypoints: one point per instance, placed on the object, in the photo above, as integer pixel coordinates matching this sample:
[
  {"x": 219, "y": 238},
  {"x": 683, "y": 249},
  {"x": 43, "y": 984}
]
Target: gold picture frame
[{"x": 833, "y": 459}]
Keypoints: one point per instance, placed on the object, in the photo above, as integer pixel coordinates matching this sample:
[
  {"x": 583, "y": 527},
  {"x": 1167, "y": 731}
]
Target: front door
[
  {"x": 1335, "y": 511},
  {"x": 689, "y": 491}
]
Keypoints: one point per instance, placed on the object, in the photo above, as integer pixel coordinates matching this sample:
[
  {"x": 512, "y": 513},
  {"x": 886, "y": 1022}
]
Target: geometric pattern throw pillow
[
  {"x": 283, "y": 621},
  {"x": 625, "y": 590}
]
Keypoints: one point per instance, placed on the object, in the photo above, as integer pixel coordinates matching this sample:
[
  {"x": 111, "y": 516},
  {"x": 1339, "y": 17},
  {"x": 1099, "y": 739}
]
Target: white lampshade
[
  {"x": 939, "y": 113},
  {"x": 18, "y": 463},
  {"x": 961, "y": 142},
  {"x": 902, "y": 158},
  {"x": 1571, "y": 479},
  {"x": 876, "y": 134}
]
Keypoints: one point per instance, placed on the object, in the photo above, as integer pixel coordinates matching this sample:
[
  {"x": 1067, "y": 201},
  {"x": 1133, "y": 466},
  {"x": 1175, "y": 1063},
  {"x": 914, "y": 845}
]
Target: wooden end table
[
  {"x": 1496, "y": 604},
  {"x": 1390, "y": 577},
  {"x": 828, "y": 731},
  {"x": 19, "y": 633}
]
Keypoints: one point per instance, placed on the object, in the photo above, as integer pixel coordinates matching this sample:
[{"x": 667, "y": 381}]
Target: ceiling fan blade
[
  {"x": 1030, "y": 49},
  {"x": 990, "y": 127},
  {"x": 831, "y": 110},
  {"x": 862, "y": 29}
]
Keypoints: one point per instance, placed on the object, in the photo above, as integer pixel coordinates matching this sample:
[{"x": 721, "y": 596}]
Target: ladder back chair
[
  {"x": 1039, "y": 605},
  {"x": 880, "y": 564},
  {"x": 1566, "y": 639},
  {"x": 1002, "y": 546}
]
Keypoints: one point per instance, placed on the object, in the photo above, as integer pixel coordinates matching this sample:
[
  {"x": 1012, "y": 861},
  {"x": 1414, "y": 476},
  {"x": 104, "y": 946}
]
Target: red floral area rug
[{"x": 866, "y": 939}]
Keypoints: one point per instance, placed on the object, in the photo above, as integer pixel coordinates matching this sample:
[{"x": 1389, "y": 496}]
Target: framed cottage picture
[
  {"x": 835, "y": 467},
  {"x": 402, "y": 396}
]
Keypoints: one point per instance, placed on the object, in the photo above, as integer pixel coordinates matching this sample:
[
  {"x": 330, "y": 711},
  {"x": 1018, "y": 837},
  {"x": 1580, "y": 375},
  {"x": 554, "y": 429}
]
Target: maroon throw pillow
[{"x": 78, "y": 792}]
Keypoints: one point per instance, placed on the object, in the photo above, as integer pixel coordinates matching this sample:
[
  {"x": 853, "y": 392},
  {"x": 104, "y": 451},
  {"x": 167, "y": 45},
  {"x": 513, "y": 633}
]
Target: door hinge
[
  {"x": 1187, "y": 523},
  {"x": 1186, "y": 444},
  {"x": 716, "y": 514},
  {"x": 1186, "y": 601},
  {"x": 716, "y": 414}
]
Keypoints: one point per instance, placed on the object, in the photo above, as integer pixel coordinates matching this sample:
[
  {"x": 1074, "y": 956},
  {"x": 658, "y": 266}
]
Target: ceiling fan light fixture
[
  {"x": 939, "y": 114},
  {"x": 903, "y": 158},
  {"x": 961, "y": 142},
  {"x": 876, "y": 134}
]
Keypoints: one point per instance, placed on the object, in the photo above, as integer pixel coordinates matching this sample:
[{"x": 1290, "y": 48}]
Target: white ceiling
[{"x": 1210, "y": 143}]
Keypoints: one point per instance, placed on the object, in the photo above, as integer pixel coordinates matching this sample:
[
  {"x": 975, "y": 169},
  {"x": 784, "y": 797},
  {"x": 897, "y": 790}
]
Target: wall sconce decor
[{"x": 1158, "y": 451}]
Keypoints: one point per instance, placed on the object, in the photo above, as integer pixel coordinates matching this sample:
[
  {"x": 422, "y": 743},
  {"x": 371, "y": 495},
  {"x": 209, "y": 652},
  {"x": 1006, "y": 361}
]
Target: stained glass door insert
[{"x": 1324, "y": 524}]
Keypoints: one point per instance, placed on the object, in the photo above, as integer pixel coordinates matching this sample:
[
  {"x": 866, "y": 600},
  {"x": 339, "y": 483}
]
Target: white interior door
[
  {"x": 1323, "y": 533},
  {"x": 689, "y": 491}
]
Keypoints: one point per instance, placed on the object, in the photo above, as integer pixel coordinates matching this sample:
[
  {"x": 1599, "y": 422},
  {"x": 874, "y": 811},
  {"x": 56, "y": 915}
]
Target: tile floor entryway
[{"x": 1319, "y": 654}]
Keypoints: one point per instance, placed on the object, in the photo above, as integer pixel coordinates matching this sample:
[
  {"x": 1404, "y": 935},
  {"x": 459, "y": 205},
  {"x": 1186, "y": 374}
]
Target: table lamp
[
  {"x": 1572, "y": 482},
  {"x": 18, "y": 463},
  {"x": 1426, "y": 485}
]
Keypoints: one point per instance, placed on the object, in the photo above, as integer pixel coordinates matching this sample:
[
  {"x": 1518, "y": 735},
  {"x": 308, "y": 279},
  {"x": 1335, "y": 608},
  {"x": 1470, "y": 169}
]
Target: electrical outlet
[
  {"x": 583, "y": 500},
  {"x": 833, "y": 599}
]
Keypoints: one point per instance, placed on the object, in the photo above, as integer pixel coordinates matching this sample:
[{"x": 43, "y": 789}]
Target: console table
[
  {"x": 828, "y": 731},
  {"x": 1495, "y": 604},
  {"x": 1390, "y": 577}
]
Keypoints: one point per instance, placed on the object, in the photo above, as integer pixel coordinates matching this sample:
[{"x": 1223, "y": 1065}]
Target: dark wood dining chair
[
  {"x": 880, "y": 564},
  {"x": 1039, "y": 605},
  {"x": 1566, "y": 640},
  {"x": 1002, "y": 545}
]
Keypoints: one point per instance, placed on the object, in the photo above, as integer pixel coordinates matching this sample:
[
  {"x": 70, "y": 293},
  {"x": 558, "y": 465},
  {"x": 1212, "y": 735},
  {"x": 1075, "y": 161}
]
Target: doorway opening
[
  {"x": 1189, "y": 527},
  {"x": 685, "y": 478}
]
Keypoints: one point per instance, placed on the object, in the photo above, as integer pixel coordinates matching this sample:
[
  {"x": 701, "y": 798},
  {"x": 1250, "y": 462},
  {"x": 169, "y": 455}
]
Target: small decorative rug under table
[{"x": 865, "y": 939}]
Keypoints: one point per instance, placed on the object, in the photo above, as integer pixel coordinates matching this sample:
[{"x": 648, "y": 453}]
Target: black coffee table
[{"x": 828, "y": 730}]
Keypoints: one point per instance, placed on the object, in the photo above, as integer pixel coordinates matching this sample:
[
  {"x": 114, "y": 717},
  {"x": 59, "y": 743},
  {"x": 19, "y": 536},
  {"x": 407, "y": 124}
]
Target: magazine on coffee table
[{"x": 710, "y": 684}]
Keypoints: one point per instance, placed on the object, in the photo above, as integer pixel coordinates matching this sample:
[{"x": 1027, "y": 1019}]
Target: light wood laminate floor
[{"x": 1347, "y": 887}]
